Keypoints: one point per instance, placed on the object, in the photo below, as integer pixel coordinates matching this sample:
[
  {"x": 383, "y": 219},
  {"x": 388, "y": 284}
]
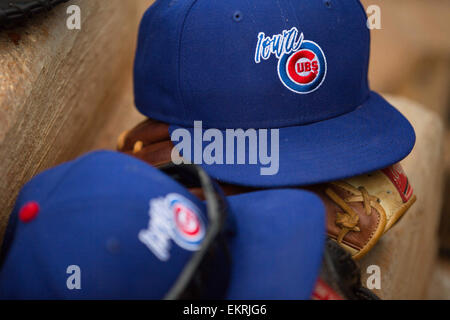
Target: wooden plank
[
  {"x": 122, "y": 117},
  {"x": 410, "y": 53},
  {"x": 122, "y": 114},
  {"x": 417, "y": 66},
  {"x": 406, "y": 254},
  {"x": 56, "y": 85},
  {"x": 439, "y": 288}
]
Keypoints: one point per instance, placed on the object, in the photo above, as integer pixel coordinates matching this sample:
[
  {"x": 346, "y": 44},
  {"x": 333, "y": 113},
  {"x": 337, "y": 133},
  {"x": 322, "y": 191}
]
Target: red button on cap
[{"x": 29, "y": 212}]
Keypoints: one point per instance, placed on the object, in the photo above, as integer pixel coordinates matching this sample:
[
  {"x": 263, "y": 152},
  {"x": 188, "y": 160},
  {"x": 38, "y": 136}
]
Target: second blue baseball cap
[
  {"x": 108, "y": 226},
  {"x": 298, "y": 66}
]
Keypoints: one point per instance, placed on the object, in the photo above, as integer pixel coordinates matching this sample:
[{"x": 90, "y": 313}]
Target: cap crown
[{"x": 251, "y": 64}]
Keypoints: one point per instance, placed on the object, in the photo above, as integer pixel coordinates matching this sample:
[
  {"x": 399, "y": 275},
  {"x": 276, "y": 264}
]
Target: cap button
[
  {"x": 238, "y": 16},
  {"x": 29, "y": 212}
]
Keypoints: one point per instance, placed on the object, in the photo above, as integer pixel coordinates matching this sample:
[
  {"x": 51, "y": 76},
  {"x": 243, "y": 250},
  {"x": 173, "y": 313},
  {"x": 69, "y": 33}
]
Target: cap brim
[
  {"x": 372, "y": 137},
  {"x": 277, "y": 250}
]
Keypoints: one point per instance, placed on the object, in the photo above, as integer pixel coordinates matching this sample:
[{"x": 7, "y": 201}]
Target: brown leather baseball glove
[{"x": 359, "y": 209}]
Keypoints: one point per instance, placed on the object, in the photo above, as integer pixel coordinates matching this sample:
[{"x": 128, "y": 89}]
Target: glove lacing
[{"x": 349, "y": 219}]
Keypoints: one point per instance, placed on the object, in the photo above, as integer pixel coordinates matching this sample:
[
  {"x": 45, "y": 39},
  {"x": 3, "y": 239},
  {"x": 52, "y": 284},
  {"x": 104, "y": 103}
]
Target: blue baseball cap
[
  {"x": 106, "y": 219},
  {"x": 298, "y": 66}
]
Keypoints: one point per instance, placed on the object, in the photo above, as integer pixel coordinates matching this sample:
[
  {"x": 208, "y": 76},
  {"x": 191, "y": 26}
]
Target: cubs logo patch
[
  {"x": 302, "y": 65},
  {"x": 189, "y": 227},
  {"x": 173, "y": 218}
]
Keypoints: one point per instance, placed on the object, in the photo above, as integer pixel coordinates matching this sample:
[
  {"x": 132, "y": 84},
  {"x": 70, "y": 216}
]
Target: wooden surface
[
  {"x": 123, "y": 116},
  {"x": 407, "y": 253},
  {"x": 415, "y": 33},
  {"x": 439, "y": 288},
  {"x": 58, "y": 87}
]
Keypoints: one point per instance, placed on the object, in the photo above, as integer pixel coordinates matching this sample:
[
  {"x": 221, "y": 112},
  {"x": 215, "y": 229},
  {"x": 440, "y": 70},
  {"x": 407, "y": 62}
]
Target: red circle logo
[
  {"x": 187, "y": 221},
  {"x": 303, "y": 67}
]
